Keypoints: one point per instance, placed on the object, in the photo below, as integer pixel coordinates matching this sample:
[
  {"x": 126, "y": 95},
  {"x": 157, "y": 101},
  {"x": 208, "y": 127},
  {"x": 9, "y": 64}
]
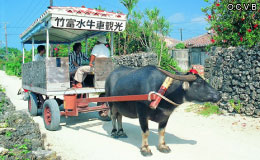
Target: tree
[
  {"x": 129, "y": 5},
  {"x": 234, "y": 27},
  {"x": 164, "y": 30}
]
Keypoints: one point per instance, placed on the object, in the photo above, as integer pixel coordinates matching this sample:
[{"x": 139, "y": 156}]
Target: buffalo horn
[
  {"x": 173, "y": 68},
  {"x": 179, "y": 77}
]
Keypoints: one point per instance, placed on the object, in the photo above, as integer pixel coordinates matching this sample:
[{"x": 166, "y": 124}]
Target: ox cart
[{"x": 48, "y": 81}]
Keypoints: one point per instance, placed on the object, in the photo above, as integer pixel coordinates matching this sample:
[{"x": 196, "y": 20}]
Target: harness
[{"x": 166, "y": 84}]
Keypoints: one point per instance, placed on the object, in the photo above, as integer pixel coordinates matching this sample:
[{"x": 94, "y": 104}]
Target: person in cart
[
  {"x": 99, "y": 50},
  {"x": 76, "y": 58},
  {"x": 40, "y": 55}
]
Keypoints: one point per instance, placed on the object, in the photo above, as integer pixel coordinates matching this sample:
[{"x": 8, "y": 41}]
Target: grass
[
  {"x": 206, "y": 109},
  {"x": 2, "y": 102},
  {"x": 8, "y": 134},
  {"x": 2, "y": 89},
  {"x": 18, "y": 150},
  {"x": 236, "y": 105}
]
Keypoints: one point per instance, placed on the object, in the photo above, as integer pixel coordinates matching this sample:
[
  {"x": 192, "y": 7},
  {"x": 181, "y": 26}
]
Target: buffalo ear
[{"x": 185, "y": 85}]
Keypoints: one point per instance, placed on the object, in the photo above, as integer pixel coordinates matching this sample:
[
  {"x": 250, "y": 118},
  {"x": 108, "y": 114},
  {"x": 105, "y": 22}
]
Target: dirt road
[{"x": 190, "y": 136}]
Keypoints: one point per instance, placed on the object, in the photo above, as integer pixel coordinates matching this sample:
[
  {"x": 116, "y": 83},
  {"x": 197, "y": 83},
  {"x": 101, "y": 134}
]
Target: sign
[{"x": 88, "y": 23}]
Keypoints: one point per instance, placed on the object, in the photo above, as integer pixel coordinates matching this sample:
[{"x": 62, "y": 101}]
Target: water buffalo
[{"x": 129, "y": 81}]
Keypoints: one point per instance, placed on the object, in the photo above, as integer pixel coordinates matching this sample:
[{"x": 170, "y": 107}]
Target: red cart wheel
[
  {"x": 51, "y": 115},
  {"x": 33, "y": 104}
]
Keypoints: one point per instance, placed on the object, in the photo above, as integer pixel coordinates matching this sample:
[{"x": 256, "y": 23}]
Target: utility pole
[
  {"x": 51, "y": 3},
  {"x": 181, "y": 33},
  {"x": 6, "y": 49}
]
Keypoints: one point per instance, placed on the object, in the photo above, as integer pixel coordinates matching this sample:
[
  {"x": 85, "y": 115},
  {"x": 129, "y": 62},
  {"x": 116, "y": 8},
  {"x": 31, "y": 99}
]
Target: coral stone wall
[
  {"x": 136, "y": 60},
  {"x": 235, "y": 72}
]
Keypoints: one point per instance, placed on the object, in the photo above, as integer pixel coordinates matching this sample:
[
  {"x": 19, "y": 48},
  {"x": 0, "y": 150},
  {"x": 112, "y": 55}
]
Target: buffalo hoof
[
  {"x": 121, "y": 134},
  {"x": 114, "y": 133},
  {"x": 145, "y": 151},
  {"x": 164, "y": 149}
]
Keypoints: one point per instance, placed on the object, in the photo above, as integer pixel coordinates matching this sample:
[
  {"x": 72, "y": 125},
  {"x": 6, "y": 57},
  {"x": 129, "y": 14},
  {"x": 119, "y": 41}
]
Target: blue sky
[{"x": 19, "y": 14}]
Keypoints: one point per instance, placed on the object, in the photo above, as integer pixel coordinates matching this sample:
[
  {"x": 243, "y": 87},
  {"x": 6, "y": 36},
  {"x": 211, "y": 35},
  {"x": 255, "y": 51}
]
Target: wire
[
  {"x": 34, "y": 14},
  {"x": 25, "y": 14}
]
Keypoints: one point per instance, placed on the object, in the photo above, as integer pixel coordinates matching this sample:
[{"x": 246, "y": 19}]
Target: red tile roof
[{"x": 200, "y": 41}]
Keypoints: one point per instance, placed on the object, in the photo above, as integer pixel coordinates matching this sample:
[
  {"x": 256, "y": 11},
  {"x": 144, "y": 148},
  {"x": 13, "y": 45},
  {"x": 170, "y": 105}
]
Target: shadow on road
[
  {"x": 134, "y": 136},
  {"x": 133, "y": 131}
]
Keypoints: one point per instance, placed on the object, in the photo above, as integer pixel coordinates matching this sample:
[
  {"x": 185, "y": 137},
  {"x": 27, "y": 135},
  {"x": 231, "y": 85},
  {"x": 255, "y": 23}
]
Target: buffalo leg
[
  {"x": 145, "y": 150},
  {"x": 120, "y": 133},
  {"x": 162, "y": 147},
  {"x": 113, "y": 117}
]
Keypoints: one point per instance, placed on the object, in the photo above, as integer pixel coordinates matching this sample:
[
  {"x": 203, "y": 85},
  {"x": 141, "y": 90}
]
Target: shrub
[
  {"x": 180, "y": 46},
  {"x": 206, "y": 109},
  {"x": 209, "y": 109},
  {"x": 236, "y": 105},
  {"x": 233, "y": 27}
]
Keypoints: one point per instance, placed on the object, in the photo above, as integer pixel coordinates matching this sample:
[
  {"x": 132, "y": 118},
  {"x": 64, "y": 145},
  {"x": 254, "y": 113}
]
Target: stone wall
[
  {"x": 136, "y": 60},
  {"x": 20, "y": 136},
  {"x": 235, "y": 72}
]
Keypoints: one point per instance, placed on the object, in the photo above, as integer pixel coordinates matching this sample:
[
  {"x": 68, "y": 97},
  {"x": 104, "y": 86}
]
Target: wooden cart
[{"x": 48, "y": 81}]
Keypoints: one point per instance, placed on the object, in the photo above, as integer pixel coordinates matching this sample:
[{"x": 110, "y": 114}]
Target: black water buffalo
[{"x": 129, "y": 81}]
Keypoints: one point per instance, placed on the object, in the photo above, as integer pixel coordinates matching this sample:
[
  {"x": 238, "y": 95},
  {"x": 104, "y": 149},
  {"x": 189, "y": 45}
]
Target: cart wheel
[
  {"x": 33, "y": 104},
  {"x": 51, "y": 115},
  {"x": 103, "y": 115}
]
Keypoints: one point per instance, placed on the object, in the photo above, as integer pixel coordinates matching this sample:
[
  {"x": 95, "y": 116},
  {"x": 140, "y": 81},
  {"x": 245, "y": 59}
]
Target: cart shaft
[{"x": 126, "y": 98}]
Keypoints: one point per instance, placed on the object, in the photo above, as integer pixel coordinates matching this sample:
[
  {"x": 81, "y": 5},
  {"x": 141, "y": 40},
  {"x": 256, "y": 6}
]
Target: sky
[{"x": 20, "y": 14}]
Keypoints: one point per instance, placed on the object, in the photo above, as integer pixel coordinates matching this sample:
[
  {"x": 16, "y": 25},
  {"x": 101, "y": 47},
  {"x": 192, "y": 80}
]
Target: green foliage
[
  {"x": 2, "y": 89},
  {"x": 18, "y": 151},
  {"x": 209, "y": 109},
  {"x": 13, "y": 61},
  {"x": 2, "y": 102},
  {"x": 62, "y": 50},
  {"x": 145, "y": 32},
  {"x": 129, "y": 5},
  {"x": 236, "y": 105},
  {"x": 8, "y": 134},
  {"x": 2, "y": 157},
  {"x": 180, "y": 46},
  {"x": 206, "y": 110},
  {"x": 233, "y": 27}
]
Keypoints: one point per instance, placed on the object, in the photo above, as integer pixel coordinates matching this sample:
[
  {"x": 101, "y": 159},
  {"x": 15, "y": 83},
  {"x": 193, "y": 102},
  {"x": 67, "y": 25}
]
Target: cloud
[
  {"x": 176, "y": 18},
  {"x": 199, "y": 20}
]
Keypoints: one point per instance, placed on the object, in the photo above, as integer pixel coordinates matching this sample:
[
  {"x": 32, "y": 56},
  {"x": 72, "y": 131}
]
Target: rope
[{"x": 163, "y": 97}]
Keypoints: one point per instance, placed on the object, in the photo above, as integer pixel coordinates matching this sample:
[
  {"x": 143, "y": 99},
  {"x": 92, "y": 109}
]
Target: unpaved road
[{"x": 191, "y": 137}]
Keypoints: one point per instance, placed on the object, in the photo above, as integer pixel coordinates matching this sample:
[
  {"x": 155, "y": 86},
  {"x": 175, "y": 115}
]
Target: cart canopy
[{"x": 70, "y": 24}]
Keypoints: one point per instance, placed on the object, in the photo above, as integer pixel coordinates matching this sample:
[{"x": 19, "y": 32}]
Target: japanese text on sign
[{"x": 88, "y": 23}]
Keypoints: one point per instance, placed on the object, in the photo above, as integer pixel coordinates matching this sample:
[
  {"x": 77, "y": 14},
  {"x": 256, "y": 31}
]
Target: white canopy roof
[{"x": 70, "y": 24}]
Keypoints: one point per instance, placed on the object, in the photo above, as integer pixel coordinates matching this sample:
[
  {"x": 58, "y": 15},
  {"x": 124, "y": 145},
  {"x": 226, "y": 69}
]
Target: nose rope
[{"x": 163, "y": 97}]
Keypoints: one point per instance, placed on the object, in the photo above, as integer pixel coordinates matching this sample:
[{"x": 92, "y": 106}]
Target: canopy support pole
[
  {"x": 112, "y": 44},
  {"x": 86, "y": 45},
  {"x": 32, "y": 48},
  {"x": 23, "y": 52},
  {"x": 47, "y": 43}
]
